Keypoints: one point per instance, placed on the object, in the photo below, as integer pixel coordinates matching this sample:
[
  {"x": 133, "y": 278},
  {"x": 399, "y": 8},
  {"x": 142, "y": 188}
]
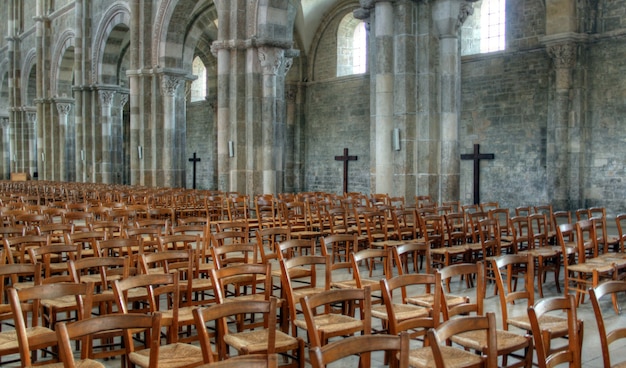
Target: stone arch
[
  {"x": 179, "y": 29},
  {"x": 29, "y": 82},
  {"x": 112, "y": 34},
  {"x": 337, "y": 12},
  {"x": 61, "y": 74},
  {"x": 275, "y": 22}
]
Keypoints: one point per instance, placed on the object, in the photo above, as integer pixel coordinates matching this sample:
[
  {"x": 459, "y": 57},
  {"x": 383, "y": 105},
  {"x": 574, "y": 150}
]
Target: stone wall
[
  {"x": 337, "y": 117},
  {"x": 605, "y": 180},
  {"x": 201, "y": 140},
  {"x": 505, "y": 101}
]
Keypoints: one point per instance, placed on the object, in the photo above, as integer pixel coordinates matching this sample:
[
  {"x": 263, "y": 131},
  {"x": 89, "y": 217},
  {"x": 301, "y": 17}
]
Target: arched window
[
  {"x": 484, "y": 30},
  {"x": 492, "y": 15},
  {"x": 198, "y": 87},
  {"x": 351, "y": 46}
]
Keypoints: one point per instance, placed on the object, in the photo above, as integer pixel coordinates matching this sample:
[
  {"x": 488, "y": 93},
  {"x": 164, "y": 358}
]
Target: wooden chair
[
  {"x": 16, "y": 247},
  {"x": 396, "y": 346},
  {"x": 180, "y": 242},
  {"x": 295, "y": 285},
  {"x": 340, "y": 245},
  {"x": 194, "y": 288},
  {"x": 248, "y": 361},
  {"x": 508, "y": 343},
  {"x": 10, "y": 276},
  {"x": 331, "y": 313},
  {"x": 546, "y": 210},
  {"x": 620, "y": 221},
  {"x": 85, "y": 241},
  {"x": 607, "y": 334},
  {"x": 545, "y": 356},
  {"x": 242, "y": 282},
  {"x": 441, "y": 354},
  {"x": 606, "y": 241},
  {"x": 520, "y": 231},
  {"x": 415, "y": 251},
  {"x": 402, "y": 316},
  {"x": 159, "y": 293},
  {"x": 266, "y": 340},
  {"x": 366, "y": 257},
  {"x": 85, "y": 330},
  {"x": 584, "y": 274},
  {"x": 56, "y": 231},
  {"x": 32, "y": 333},
  {"x": 547, "y": 257}
]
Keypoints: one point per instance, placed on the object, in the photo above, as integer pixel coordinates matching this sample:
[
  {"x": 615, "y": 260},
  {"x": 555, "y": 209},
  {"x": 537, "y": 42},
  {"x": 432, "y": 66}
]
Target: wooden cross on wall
[
  {"x": 477, "y": 156},
  {"x": 194, "y": 160},
  {"x": 345, "y": 158}
]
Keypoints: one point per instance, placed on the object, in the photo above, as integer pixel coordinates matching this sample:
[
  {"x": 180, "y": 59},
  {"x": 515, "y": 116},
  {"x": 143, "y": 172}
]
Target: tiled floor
[{"x": 591, "y": 357}]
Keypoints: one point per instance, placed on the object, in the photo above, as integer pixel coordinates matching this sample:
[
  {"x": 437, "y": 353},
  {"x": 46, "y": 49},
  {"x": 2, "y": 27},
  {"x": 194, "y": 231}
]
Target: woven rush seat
[
  {"x": 343, "y": 284},
  {"x": 402, "y": 311},
  {"x": 170, "y": 356},
  {"x": 256, "y": 341},
  {"x": 427, "y": 300},
  {"x": 423, "y": 357},
  {"x": 185, "y": 315},
  {"x": 62, "y": 302},
  {"x": 555, "y": 324},
  {"x": 8, "y": 339},
  {"x": 477, "y": 340},
  {"x": 331, "y": 323}
]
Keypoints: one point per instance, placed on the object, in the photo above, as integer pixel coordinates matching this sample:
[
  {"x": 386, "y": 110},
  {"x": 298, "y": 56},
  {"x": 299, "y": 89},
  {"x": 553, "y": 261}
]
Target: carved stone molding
[
  {"x": 106, "y": 98},
  {"x": 32, "y": 117},
  {"x": 270, "y": 58},
  {"x": 123, "y": 99},
  {"x": 169, "y": 84},
  {"x": 291, "y": 92},
  {"x": 63, "y": 108},
  {"x": 564, "y": 55},
  {"x": 466, "y": 10}
]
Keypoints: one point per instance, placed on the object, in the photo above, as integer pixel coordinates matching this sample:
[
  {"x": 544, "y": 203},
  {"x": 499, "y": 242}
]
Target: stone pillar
[
  {"x": 5, "y": 155},
  {"x": 563, "y": 146},
  {"x": 31, "y": 117},
  {"x": 169, "y": 85},
  {"x": 121, "y": 145},
  {"x": 223, "y": 115},
  {"x": 63, "y": 109},
  {"x": 384, "y": 97},
  {"x": 271, "y": 59},
  {"x": 106, "y": 100},
  {"x": 448, "y": 16}
]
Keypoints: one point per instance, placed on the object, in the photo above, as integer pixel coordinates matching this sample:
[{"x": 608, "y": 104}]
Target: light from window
[
  {"x": 492, "y": 22},
  {"x": 351, "y": 46},
  {"x": 359, "y": 50},
  {"x": 198, "y": 87}
]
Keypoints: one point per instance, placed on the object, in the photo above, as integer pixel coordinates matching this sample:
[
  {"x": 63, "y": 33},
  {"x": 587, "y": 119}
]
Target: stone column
[
  {"x": 169, "y": 85},
  {"x": 106, "y": 100},
  {"x": 31, "y": 117},
  {"x": 121, "y": 145},
  {"x": 271, "y": 59},
  {"x": 563, "y": 146},
  {"x": 448, "y": 16},
  {"x": 384, "y": 97},
  {"x": 63, "y": 108},
  {"x": 223, "y": 114},
  {"x": 5, "y": 155}
]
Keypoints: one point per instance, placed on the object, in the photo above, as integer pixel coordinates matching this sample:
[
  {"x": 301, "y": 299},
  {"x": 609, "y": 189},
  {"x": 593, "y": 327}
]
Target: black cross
[
  {"x": 476, "y": 156},
  {"x": 194, "y": 160},
  {"x": 345, "y": 158}
]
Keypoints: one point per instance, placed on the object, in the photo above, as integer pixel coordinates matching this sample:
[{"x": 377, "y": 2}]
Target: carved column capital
[
  {"x": 271, "y": 59},
  {"x": 106, "y": 97},
  {"x": 169, "y": 84},
  {"x": 32, "y": 117},
  {"x": 449, "y": 16},
  {"x": 564, "y": 55},
  {"x": 64, "y": 108}
]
